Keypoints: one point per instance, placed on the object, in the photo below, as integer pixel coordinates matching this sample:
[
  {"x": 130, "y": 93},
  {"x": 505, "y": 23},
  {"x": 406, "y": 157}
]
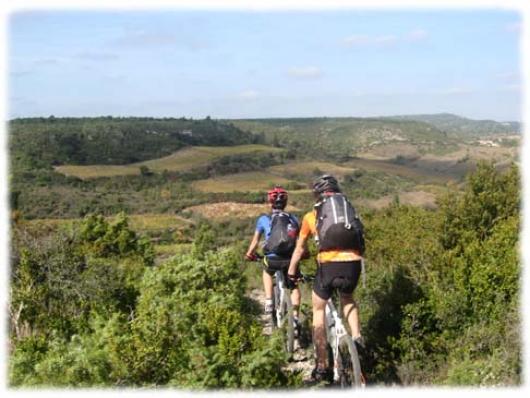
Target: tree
[{"x": 144, "y": 171}]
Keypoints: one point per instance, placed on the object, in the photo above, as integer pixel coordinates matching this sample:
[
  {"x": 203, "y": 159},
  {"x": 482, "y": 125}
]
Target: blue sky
[{"x": 235, "y": 64}]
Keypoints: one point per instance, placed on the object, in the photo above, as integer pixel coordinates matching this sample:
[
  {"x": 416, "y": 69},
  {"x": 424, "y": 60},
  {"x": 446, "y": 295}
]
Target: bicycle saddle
[{"x": 340, "y": 283}]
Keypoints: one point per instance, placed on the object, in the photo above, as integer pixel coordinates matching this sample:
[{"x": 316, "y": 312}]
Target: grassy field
[
  {"x": 308, "y": 169},
  {"x": 232, "y": 210},
  {"x": 164, "y": 252},
  {"x": 182, "y": 160},
  {"x": 408, "y": 171},
  {"x": 241, "y": 182}
]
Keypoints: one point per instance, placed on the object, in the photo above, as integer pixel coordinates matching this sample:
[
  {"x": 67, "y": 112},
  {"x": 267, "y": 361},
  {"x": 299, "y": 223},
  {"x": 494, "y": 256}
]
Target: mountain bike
[
  {"x": 282, "y": 315},
  {"x": 342, "y": 350}
]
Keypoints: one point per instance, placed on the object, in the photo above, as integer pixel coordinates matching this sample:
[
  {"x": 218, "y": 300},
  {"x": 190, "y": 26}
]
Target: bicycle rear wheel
[
  {"x": 350, "y": 374},
  {"x": 275, "y": 319},
  {"x": 289, "y": 318}
]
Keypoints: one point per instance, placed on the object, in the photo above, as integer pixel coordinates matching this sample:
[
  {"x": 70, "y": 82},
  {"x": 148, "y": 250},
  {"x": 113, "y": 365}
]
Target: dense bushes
[
  {"x": 104, "y": 239},
  {"x": 86, "y": 311},
  {"x": 193, "y": 329},
  {"x": 443, "y": 305},
  {"x": 59, "y": 280}
]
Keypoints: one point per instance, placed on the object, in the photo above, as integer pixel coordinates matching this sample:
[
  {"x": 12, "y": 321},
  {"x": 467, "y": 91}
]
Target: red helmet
[{"x": 277, "y": 197}]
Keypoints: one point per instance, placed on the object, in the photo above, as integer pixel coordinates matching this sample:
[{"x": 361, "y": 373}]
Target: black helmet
[{"x": 325, "y": 183}]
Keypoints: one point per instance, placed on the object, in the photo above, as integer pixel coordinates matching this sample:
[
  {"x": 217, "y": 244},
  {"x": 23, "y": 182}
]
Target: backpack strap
[{"x": 347, "y": 222}]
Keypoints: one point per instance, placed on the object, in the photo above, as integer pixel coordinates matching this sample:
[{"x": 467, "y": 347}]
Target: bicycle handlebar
[
  {"x": 257, "y": 257},
  {"x": 307, "y": 278}
]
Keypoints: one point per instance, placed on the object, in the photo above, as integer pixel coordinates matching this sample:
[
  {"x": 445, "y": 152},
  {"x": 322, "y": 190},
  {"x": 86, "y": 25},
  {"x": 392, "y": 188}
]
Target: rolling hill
[
  {"x": 462, "y": 126},
  {"x": 55, "y": 163},
  {"x": 341, "y": 138},
  {"x": 43, "y": 142},
  {"x": 183, "y": 160}
]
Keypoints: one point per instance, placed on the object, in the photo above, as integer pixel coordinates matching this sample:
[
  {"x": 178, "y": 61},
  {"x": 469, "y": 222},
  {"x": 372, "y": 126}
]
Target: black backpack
[
  {"x": 338, "y": 225},
  {"x": 284, "y": 232}
]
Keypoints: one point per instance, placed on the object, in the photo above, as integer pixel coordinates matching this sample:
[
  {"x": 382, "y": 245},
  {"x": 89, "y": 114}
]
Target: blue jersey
[{"x": 263, "y": 226}]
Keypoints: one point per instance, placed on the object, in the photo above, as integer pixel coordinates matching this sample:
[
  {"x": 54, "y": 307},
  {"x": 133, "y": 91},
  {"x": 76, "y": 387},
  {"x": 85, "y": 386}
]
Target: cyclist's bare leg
[
  {"x": 295, "y": 300},
  {"x": 319, "y": 331},
  {"x": 351, "y": 313},
  {"x": 267, "y": 285}
]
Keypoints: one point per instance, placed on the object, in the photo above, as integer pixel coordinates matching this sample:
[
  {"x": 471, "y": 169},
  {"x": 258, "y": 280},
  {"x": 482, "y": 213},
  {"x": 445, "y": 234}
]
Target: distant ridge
[{"x": 455, "y": 124}]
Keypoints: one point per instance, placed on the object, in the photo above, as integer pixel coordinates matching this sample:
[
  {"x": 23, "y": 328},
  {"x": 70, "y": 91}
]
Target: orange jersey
[{"x": 309, "y": 227}]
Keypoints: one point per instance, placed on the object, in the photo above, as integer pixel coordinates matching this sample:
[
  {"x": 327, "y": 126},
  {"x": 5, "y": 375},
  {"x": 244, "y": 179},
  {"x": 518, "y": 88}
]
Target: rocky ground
[{"x": 302, "y": 360}]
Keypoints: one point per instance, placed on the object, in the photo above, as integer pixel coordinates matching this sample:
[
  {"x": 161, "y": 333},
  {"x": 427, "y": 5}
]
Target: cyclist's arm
[
  {"x": 297, "y": 255},
  {"x": 301, "y": 245},
  {"x": 254, "y": 244}
]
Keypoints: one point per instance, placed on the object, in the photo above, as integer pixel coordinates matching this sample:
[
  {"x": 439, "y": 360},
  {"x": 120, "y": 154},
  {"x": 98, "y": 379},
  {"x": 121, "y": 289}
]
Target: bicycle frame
[
  {"x": 280, "y": 294},
  {"x": 336, "y": 330},
  {"x": 282, "y": 314},
  {"x": 338, "y": 337}
]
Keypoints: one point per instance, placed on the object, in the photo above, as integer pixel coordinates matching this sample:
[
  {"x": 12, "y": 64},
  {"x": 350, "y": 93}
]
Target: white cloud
[
  {"x": 248, "y": 94},
  {"x": 388, "y": 40},
  {"x": 305, "y": 72},
  {"x": 416, "y": 35},
  {"x": 357, "y": 40}
]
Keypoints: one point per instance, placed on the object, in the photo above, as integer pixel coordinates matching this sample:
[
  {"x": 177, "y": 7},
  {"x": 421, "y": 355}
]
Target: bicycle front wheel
[{"x": 350, "y": 373}]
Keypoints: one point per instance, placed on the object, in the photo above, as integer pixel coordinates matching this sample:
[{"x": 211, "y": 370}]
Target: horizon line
[{"x": 263, "y": 118}]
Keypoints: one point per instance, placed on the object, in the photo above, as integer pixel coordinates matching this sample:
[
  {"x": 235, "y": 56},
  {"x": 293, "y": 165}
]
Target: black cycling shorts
[
  {"x": 342, "y": 276},
  {"x": 277, "y": 264}
]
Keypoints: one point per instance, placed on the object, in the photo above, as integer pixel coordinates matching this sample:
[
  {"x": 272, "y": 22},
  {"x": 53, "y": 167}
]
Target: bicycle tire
[
  {"x": 290, "y": 324},
  {"x": 351, "y": 373},
  {"x": 275, "y": 302}
]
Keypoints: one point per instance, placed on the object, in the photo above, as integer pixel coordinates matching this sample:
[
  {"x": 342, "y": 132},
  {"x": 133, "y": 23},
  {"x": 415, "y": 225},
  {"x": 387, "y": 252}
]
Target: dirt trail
[{"x": 302, "y": 359}]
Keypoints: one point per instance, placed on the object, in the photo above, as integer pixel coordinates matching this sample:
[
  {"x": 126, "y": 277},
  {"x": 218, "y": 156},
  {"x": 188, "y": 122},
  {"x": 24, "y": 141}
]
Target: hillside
[
  {"x": 462, "y": 126},
  {"x": 340, "y": 138},
  {"x": 43, "y": 142},
  {"x": 185, "y": 159},
  {"x": 64, "y": 168}
]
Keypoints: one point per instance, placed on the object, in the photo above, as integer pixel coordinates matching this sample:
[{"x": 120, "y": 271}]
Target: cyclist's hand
[
  {"x": 251, "y": 257},
  {"x": 291, "y": 281}
]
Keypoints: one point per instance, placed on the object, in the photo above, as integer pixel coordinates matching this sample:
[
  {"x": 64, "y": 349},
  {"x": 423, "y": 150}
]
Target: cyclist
[
  {"x": 332, "y": 263},
  {"x": 277, "y": 198}
]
